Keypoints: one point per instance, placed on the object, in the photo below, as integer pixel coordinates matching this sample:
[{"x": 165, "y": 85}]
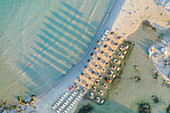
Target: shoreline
[{"x": 69, "y": 79}]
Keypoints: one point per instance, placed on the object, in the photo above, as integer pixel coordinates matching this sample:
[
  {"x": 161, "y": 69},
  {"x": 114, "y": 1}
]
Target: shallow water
[{"x": 40, "y": 41}]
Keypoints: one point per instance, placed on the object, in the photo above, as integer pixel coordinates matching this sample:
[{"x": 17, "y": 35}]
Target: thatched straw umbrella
[
  {"x": 77, "y": 86},
  {"x": 110, "y": 73},
  {"x": 103, "y": 69},
  {"x": 91, "y": 95},
  {"x": 95, "y": 49},
  {"x": 94, "y": 88},
  {"x": 107, "y": 63},
  {"x": 100, "y": 76},
  {"x": 92, "y": 54},
  {"x": 93, "y": 72},
  {"x": 84, "y": 91},
  {"x": 112, "y": 33},
  {"x": 105, "y": 86},
  {"x": 110, "y": 57},
  {"x": 101, "y": 92},
  {"x": 98, "y": 42},
  {"x": 116, "y": 44},
  {"x": 97, "y": 99},
  {"x": 116, "y": 61},
  {"x": 114, "y": 67},
  {"x": 89, "y": 61},
  {"x": 119, "y": 37},
  {"x": 105, "y": 46},
  {"x": 97, "y": 82},
  {"x": 102, "y": 52},
  {"x": 82, "y": 74},
  {"x": 96, "y": 65},
  {"x": 86, "y": 67},
  {"x": 99, "y": 59}
]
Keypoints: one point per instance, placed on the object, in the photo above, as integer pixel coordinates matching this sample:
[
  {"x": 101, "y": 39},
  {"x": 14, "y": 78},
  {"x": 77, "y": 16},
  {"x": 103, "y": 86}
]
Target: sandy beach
[
  {"x": 126, "y": 19},
  {"x": 143, "y": 37}
]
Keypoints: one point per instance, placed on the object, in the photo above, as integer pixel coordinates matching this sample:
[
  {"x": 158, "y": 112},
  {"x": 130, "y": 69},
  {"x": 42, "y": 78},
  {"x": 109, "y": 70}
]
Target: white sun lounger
[
  {"x": 75, "y": 93},
  {"x": 58, "y": 111},
  {"x": 65, "y": 111},
  {"x": 68, "y": 109},
  {"x": 53, "y": 107}
]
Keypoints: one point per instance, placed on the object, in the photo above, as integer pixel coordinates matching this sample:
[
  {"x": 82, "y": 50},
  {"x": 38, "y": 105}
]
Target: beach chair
[
  {"x": 75, "y": 93},
  {"x": 68, "y": 109},
  {"x": 53, "y": 107},
  {"x": 58, "y": 111},
  {"x": 65, "y": 111},
  {"x": 73, "y": 102}
]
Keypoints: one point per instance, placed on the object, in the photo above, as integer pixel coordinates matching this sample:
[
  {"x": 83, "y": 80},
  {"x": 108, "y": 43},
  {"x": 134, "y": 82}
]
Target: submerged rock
[
  {"x": 86, "y": 109},
  {"x": 168, "y": 109},
  {"x": 144, "y": 108},
  {"x": 155, "y": 99},
  {"x": 137, "y": 78}
]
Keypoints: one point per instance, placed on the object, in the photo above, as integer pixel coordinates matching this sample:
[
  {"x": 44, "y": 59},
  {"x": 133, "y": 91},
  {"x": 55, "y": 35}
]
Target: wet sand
[{"x": 125, "y": 96}]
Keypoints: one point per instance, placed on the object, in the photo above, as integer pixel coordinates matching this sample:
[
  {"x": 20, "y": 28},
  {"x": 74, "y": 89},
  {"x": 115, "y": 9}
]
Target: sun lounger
[
  {"x": 58, "y": 111},
  {"x": 73, "y": 102},
  {"x": 65, "y": 111},
  {"x": 53, "y": 107},
  {"x": 75, "y": 93},
  {"x": 72, "y": 105},
  {"x": 68, "y": 109}
]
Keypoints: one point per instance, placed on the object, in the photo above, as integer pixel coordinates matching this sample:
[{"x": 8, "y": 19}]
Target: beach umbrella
[
  {"x": 100, "y": 76},
  {"x": 99, "y": 59},
  {"x": 107, "y": 63},
  {"x": 92, "y": 54},
  {"x": 86, "y": 67},
  {"x": 103, "y": 69},
  {"x": 102, "y": 52},
  {"x": 96, "y": 65},
  {"x": 105, "y": 86},
  {"x": 112, "y": 33},
  {"x": 97, "y": 99},
  {"x": 91, "y": 95},
  {"x": 89, "y": 61},
  {"x": 98, "y": 42},
  {"x": 119, "y": 37},
  {"x": 77, "y": 86},
  {"x": 110, "y": 56},
  {"x": 114, "y": 67},
  {"x": 82, "y": 74},
  {"x": 116, "y": 44},
  {"x": 84, "y": 91},
  {"x": 94, "y": 89},
  {"x": 101, "y": 93},
  {"x": 95, "y": 49},
  {"x": 97, "y": 82},
  {"x": 90, "y": 78},
  {"x": 93, "y": 72},
  {"x": 105, "y": 46},
  {"x": 110, "y": 73},
  {"x": 87, "y": 85}
]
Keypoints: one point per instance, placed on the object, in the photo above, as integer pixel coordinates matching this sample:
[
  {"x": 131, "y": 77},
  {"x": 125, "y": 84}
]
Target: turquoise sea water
[{"x": 40, "y": 41}]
